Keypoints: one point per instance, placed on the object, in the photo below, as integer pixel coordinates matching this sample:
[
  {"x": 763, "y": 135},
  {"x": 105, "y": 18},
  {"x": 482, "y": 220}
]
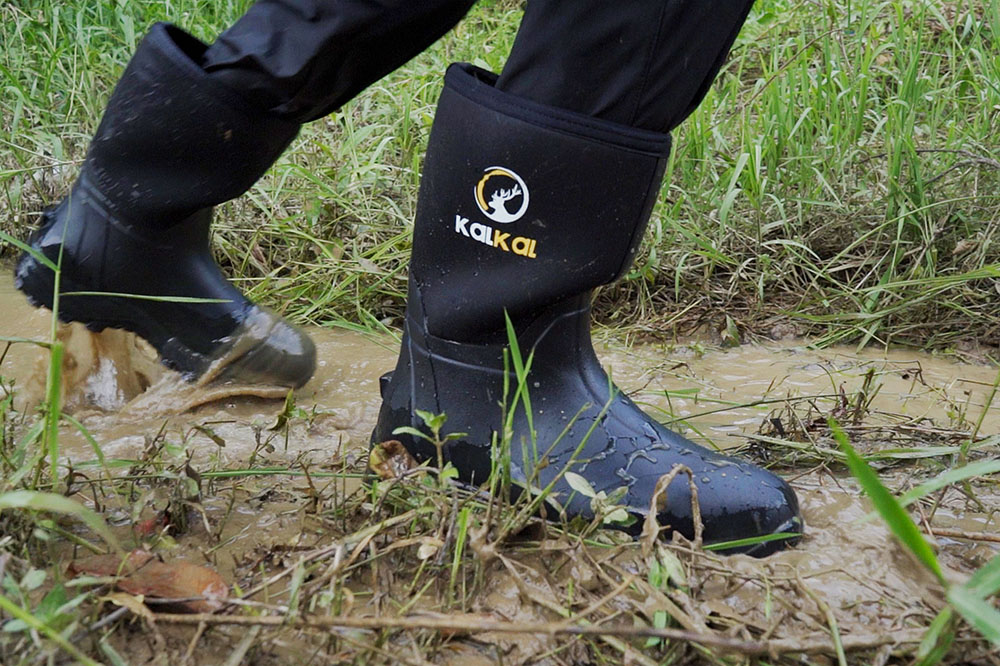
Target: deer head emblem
[
  {"x": 498, "y": 202},
  {"x": 496, "y": 209}
]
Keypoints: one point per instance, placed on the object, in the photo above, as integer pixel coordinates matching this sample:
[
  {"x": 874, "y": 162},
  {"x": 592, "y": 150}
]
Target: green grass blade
[
  {"x": 53, "y": 405},
  {"x": 751, "y": 541},
  {"x": 38, "y": 256},
  {"x": 40, "y": 343},
  {"x": 949, "y": 477},
  {"x": 145, "y": 297},
  {"x": 986, "y": 581},
  {"x": 938, "y": 639},
  {"x": 39, "y": 501},
  {"x": 892, "y": 511},
  {"x": 90, "y": 439},
  {"x": 977, "y": 612}
]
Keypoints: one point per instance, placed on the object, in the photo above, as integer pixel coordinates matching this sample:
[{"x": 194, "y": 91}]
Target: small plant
[
  {"x": 606, "y": 507},
  {"x": 970, "y": 599},
  {"x": 434, "y": 423}
]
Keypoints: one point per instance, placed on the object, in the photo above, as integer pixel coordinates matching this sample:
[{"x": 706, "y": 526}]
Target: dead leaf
[
  {"x": 429, "y": 547},
  {"x": 109, "y": 565},
  {"x": 141, "y": 573},
  {"x": 151, "y": 526},
  {"x": 133, "y": 603},
  {"x": 964, "y": 246},
  {"x": 390, "y": 460}
]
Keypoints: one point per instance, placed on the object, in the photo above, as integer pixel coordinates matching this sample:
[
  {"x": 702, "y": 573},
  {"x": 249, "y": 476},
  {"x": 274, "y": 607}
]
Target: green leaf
[
  {"x": 671, "y": 564},
  {"x": 892, "y": 512},
  {"x": 14, "y": 626},
  {"x": 986, "y": 581},
  {"x": 51, "y": 603},
  {"x": 580, "y": 484},
  {"x": 407, "y": 430},
  {"x": 39, "y": 501},
  {"x": 977, "y": 612},
  {"x": 432, "y": 420},
  {"x": 33, "y": 579},
  {"x": 617, "y": 516}
]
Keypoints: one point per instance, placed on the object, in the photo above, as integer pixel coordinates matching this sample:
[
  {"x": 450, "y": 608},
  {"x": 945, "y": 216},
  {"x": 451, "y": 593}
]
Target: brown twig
[
  {"x": 193, "y": 643},
  {"x": 962, "y": 534},
  {"x": 816, "y": 643}
]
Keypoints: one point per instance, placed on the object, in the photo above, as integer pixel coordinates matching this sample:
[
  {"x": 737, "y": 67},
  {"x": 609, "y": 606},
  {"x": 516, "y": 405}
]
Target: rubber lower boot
[
  {"x": 133, "y": 233},
  {"x": 523, "y": 211}
]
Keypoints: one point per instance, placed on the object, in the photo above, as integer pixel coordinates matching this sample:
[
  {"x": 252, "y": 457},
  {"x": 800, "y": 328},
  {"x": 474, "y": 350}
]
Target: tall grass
[{"x": 841, "y": 173}]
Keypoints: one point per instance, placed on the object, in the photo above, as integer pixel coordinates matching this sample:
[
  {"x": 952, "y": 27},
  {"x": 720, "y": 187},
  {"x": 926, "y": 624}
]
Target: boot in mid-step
[{"x": 133, "y": 233}]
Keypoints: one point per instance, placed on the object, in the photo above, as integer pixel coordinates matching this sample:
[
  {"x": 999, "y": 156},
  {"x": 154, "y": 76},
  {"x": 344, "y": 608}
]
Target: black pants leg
[
  {"x": 303, "y": 59},
  {"x": 643, "y": 63}
]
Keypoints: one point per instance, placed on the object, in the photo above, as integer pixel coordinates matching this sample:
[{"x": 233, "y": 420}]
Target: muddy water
[{"x": 115, "y": 386}]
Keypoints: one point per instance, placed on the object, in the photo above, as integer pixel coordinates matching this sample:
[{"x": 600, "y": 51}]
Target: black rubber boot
[
  {"x": 171, "y": 145},
  {"x": 525, "y": 209}
]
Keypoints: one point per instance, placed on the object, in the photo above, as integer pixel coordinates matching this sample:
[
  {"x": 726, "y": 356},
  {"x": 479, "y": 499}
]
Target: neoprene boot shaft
[
  {"x": 173, "y": 142},
  {"x": 523, "y": 210},
  {"x": 477, "y": 254}
]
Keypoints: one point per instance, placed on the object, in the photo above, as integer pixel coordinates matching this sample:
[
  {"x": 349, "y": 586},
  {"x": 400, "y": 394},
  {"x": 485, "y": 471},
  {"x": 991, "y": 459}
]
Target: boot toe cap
[
  {"x": 265, "y": 349},
  {"x": 743, "y": 505}
]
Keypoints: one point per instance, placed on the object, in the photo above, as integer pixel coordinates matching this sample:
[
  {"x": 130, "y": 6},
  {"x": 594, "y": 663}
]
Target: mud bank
[{"x": 249, "y": 527}]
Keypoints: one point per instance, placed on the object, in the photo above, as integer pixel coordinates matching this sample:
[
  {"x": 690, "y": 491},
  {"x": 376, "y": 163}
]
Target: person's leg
[
  {"x": 536, "y": 189},
  {"x": 190, "y": 126},
  {"x": 301, "y": 59},
  {"x": 641, "y": 63}
]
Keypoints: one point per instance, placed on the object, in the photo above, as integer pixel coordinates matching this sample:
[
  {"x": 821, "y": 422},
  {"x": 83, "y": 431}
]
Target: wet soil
[{"x": 848, "y": 567}]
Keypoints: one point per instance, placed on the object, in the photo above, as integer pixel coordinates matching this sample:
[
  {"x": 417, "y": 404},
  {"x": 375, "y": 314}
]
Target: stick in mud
[{"x": 460, "y": 623}]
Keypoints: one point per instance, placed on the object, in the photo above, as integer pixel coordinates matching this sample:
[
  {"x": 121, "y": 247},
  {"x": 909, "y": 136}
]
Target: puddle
[{"x": 115, "y": 387}]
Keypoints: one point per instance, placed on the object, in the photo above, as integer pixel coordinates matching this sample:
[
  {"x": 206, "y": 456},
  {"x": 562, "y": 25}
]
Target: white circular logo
[{"x": 503, "y": 187}]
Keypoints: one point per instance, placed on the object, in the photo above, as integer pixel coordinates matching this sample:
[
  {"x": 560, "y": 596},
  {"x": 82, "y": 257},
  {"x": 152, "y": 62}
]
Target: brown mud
[{"x": 847, "y": 573}]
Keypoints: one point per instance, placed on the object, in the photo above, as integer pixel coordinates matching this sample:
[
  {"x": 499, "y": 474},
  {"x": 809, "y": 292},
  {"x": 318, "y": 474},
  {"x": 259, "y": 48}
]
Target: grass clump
[{"x": 839, "y": 176}]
